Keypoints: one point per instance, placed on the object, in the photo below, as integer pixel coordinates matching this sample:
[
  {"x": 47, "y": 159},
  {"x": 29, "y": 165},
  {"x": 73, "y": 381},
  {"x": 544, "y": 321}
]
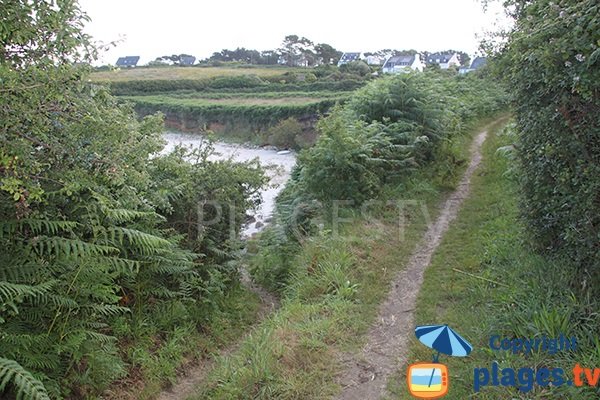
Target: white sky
[{"x": 152, "y": 28}]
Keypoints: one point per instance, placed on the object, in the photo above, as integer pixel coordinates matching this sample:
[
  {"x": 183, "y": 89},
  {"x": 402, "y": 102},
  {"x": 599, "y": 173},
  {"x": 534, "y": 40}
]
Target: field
[
  {"x": 143, "y": 73},
  {"x": 240, "y": 104}
]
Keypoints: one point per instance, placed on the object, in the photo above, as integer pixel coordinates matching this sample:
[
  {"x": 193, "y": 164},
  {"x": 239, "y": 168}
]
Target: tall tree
[
  {"x": 294, "y": 48},
  {"x": 327, "y": 54}
]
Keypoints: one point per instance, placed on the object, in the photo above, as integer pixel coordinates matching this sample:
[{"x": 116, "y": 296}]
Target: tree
[
  {"x": 295, "y": 48},
  {"x": 176, "y": 59},
  {"x": 326, "y": 54}
]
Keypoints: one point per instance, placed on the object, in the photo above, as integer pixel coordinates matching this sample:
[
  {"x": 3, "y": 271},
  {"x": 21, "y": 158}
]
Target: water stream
[{"x": 281, "y": 167}]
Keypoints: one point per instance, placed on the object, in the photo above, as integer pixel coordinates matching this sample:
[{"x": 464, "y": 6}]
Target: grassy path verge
[
  {"x": 367, "y": 373},
  {"x": 508, "y": 291}
]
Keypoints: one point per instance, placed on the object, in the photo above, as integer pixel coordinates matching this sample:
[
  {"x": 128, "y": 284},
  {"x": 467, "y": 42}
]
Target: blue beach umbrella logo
[
  {"x": 443, "y": 339},
  {"x": 431, "y": 380}
]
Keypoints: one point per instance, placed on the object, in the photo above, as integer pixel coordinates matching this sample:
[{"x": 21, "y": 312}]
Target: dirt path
[
  {"x": 187, "y": 384},
  {"x": 386, "y": 350}
]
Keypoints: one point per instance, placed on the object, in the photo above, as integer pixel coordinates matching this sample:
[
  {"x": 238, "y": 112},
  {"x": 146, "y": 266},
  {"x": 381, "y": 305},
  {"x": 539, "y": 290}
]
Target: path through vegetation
[
  {"x": 193, "y": 377},
  {"x": 366, "y": 373}
]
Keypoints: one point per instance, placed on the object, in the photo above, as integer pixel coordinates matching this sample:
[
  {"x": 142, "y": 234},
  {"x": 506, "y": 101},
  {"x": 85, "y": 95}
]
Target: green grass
[
  {"x": 147, "y": 73},
  {"x": 337, "y": 285},
  {"x": 532, "y": 296},
  {"x": 155, "y": 356}
]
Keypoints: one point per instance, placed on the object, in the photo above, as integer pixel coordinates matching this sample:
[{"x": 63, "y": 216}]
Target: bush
[
  {"x": 389, "y": 128},
  {"x": 97, "y": 231},
  {"x": 284, "y": 134},
  {"x": 552, "y": 62},
  {"x": 345, "y": 82},
  {"x": 359, "y": 68}
]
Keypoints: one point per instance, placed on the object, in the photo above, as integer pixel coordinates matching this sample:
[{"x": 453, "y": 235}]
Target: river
[{"x": 279, "y": 172}]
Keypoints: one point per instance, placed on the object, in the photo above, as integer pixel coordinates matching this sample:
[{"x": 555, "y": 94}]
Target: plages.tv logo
[{"x": 431, "y": 380}]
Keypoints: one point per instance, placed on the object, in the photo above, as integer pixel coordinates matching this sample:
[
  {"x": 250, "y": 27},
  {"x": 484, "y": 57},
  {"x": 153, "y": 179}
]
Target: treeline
[
  {"x": 107, "y": 264},
  {"x": 387, "y": 132}
]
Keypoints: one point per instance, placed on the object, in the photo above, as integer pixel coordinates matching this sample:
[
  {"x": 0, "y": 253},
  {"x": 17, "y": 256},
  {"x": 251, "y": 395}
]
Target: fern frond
[
  {"x": 10, "y": 292},
  {"x": 122, "y": 215},
  {"x": 75, "y": 248},
  {"x": 123, "y": 265},
  {"x": 36, "y": 226},
  {"x": 26, "y": 386},
  {"x": 107, "y": 310}
]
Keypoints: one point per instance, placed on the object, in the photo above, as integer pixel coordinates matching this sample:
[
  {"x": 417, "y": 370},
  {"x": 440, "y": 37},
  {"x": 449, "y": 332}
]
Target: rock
[{"x": 259, "y": 225}]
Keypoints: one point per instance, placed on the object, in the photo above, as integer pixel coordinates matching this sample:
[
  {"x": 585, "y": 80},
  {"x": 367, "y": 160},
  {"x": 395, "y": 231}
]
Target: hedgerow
[
  {"x": 226, "y": 84},
  {"x": 389, "y": 128},
  {"x": 552, "y": 63}
]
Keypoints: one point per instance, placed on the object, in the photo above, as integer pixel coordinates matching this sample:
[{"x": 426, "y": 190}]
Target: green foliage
[
  {"x": 552, "y": 63},
  {"x": 389, "y": 128},
  {"x": 92, "y": 244},
  {"x": 389, "y": 132},
  {"x": 27, "y": 387},
  {"x": 340, "y": 166},
  {"x": 223, "y": 84},
  {"x": 197, "y": 201},
  {"x": 359, "y": 68},
  {"x": 284, "y": 134}
]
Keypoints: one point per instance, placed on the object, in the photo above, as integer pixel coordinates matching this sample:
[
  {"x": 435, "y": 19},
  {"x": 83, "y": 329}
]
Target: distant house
[
  {"x": 405, "y": 63},
  {"x": 444, "y": 60},
  {"x": 129, "y": 61},
  {"x": 348, "y": 57},
  {"x": 375, "y": 60},
  {"x": 187, "y": 60},
  {"x": 477, "y": 63}
]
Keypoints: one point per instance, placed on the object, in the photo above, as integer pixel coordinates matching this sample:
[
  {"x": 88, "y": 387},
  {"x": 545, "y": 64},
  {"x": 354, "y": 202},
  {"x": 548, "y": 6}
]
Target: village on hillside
[{"x": 301, "y": 52}]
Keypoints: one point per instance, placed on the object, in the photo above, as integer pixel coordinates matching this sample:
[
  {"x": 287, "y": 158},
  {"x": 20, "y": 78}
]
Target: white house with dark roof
[
  {"x": 129, "y": 61},
  {"x": 444, "y": 60},
  {"x": 348, "y": 57},
  {"x": 375, "y": 60},
  {"x": 403, "y": 64}
]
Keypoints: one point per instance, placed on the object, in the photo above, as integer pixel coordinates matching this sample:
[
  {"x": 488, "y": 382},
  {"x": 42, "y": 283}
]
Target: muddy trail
[
  {"x": 366, "y": 374},
  {"x": 194, "y": 375}
]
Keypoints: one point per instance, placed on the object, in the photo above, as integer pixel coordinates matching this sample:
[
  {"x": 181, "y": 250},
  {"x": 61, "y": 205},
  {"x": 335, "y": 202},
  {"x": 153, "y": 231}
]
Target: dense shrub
[
  {"x": 207, "y": 200},
  {"x": 284, "y": 133},
  {"x": 359, "y": 68},
  {"x": 379, "y": 138},
  {"x": 388, "y": 128},
  {"x": 552, "y": 62},
  {"x": 97, "y": 268}
]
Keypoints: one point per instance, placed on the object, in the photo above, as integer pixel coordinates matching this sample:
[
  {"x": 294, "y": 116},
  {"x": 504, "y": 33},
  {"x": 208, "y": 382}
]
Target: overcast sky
[{"x": 152, "y": 28}]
